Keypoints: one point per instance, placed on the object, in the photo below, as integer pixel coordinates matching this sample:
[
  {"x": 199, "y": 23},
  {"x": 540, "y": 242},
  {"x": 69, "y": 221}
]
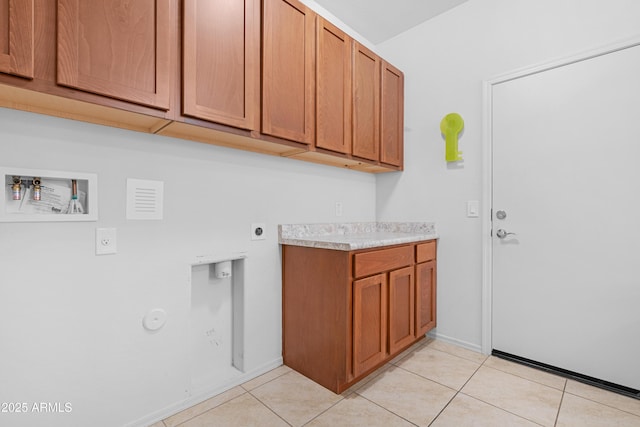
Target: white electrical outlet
[
  {"x": 258, "y": 231},
  {"x": 106, "y": 241},
  {"x": 338, "y": 208}
]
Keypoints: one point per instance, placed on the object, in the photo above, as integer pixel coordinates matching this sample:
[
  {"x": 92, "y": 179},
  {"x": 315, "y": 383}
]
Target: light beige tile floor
[{"x": 431, "y": 384}]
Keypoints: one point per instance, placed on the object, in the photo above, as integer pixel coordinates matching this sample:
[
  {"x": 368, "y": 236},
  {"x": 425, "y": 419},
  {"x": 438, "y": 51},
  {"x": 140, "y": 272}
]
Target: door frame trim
[{"x": 487, "y": 165}]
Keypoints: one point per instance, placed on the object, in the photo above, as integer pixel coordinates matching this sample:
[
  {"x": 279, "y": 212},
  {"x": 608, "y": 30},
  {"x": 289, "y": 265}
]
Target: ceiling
[{"x": 380, "y": 20}]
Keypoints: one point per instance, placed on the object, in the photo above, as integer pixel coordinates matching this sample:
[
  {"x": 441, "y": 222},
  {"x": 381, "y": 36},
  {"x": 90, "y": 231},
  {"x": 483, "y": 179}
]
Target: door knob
[{"x": 501, "y": 233}]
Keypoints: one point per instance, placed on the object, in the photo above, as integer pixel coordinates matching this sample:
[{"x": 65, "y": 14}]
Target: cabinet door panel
[
  {"x": 221, "y": 61},
  {"x": 116, "y": 48},
  {"x": 392, "y": 116},
  {"x": 288, "y": 80},
  {"x": 369, "y": 322},
  {"x": 425, "y": 297},
  {"x": 401, "y": 309},
  {"x": 366, "y": 103},
  {"x": 16, "y": 37},
  {"x": 333, "y": 89}
]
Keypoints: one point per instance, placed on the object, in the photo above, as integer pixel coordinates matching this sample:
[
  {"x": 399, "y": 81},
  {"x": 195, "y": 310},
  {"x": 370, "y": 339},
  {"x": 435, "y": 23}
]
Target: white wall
[
  {"x": 445, "y": 62},
  {"x": 70, "y": 321}
]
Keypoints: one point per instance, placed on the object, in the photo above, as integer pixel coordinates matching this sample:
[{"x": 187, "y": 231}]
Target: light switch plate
[
  {"x": 106, "y": 241},
  {"x": 473, "y": 209}
]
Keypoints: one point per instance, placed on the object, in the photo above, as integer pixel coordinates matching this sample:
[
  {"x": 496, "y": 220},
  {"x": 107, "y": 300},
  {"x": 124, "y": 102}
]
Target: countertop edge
[{"x": 352, "y": 246}]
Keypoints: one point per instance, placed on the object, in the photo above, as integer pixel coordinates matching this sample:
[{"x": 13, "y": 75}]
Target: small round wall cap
[{"x": 154, "y": 319}]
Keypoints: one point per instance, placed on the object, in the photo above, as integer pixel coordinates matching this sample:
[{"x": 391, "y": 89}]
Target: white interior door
[{"x": 566, "y": 171}]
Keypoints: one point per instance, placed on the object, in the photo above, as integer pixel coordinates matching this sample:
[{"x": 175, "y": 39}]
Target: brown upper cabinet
[
  {"x": 116, "y": 48},
  {"x": 333, "y": 88},
  {"x": 269, "y": 76},
  {"x": 378, "y": 108},
  {"x": 221, "y": 61},
  {"x": 16, "y": 37},
  {"x": 366, "y": 103},
  {"x": 288, "y": 80},
  {"x": 392, "y": 115}
]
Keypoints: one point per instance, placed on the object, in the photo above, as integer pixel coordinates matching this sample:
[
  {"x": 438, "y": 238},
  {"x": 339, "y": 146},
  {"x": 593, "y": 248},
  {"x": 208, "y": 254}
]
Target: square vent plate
[{"x": 144, "y": 199}]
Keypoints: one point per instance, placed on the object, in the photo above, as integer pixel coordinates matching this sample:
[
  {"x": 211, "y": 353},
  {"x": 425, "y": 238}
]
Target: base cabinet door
[
  {"x": 16, "y": 37},
  {"x": 117, "y": 49},
  {"x": 425, "y": 297},
  {"x": 401, "y": 309},
  {"x": 369, "y": 322}
]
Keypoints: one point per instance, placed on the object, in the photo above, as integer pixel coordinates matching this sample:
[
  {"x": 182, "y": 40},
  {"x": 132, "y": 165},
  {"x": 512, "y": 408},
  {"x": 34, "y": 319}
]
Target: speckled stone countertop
[{"x": 355, "y": 235}]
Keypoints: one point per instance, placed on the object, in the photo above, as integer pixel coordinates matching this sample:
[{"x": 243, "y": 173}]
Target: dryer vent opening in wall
[
  {"x": 144, "y": 199},
  {"x": 216, "y": 323}
]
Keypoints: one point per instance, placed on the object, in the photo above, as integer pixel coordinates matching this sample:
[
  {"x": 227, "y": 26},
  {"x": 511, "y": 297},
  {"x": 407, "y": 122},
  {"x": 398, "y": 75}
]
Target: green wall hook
[{"x": 450, "y": 126}]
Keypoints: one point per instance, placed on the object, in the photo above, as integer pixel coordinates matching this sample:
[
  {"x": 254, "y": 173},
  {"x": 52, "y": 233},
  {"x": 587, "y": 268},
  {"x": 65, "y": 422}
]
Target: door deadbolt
[{"x": 501, "y": 214}]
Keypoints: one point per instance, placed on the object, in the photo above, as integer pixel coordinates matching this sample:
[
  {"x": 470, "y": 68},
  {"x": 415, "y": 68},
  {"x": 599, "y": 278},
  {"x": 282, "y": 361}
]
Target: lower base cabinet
[{"x": 346, "y": 313}]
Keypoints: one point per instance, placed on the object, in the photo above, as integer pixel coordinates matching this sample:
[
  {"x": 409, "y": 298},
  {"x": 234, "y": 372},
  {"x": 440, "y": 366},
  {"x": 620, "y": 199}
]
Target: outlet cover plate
[{"x": 106, "y": 241}]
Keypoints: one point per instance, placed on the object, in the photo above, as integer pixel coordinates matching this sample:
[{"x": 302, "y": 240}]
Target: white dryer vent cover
[{"x": 144, "y": 199}]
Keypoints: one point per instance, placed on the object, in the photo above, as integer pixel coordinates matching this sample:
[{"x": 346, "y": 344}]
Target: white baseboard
[
  {"x": 469, "y": 346},
  {"x": 204, "y": 394}
]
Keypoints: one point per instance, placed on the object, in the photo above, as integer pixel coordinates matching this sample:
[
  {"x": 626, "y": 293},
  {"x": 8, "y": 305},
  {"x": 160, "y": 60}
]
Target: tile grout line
[
  {"x": 564, "y": 391},
  {"x": 529, "y": 379},
  {"x": 517, "y": 376},
  {"x": 386, "y": 409},
  {"x": 389, "y": 364},
  {"x": 469, "y": 359},
  {"x": 266, "y": 382},
  {"x": 439, "y": 383},
  {"x": 204, "y": 412},
  {"x": 488, "y": 403},
  {"x": 456, "y": 393},
  {"x": 245, "y": 391},
  {"x": 333, "y": 405},
  {"x": 269, "y": 408},
  {"x": 602, "y": 403}
]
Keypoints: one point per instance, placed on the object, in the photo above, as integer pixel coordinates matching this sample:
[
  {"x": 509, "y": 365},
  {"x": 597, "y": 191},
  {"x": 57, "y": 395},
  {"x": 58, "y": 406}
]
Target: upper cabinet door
[
  {"x": 288, "y": 82},
  {"x": 333, "y": 88},
  {"x": 118, "y": 48},
  {"x": 16, "y": 37},
  {"x": 366, "y": 103},
  {"x": 221, "y": 61},
  {"x": 392, "y": 116}
]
